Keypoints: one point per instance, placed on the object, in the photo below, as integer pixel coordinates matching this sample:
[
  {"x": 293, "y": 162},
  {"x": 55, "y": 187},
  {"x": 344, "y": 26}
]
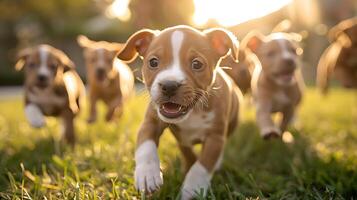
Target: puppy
[
  {"x": 52, "y": 87},
  {"x": 110, "y": 79},
  {"x": 241, "y": 71},
  {"x": 190, "y": 95},
  {"x": 276, "y": 82},
  {"x": 340, "y": 58}
]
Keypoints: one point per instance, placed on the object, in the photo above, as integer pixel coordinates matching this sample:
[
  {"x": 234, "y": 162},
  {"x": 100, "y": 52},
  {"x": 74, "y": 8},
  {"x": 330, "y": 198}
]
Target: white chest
[{"x": 195, "y": 128}]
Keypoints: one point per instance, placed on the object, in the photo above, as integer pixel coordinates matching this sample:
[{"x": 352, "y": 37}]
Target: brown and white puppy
[
  {"x": 52, "y": 87},
  {"x": 190, "y": 95},
  {"x": 110, "y": 80},
  {"x": 340, "y": 58},
  {"x": 241, "y": 71},
  {"x": 276, "y": 83}
]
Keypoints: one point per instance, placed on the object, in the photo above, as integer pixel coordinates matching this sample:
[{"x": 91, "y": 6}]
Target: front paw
[
  {"x": 148, "y": 177},
  {"x": 197, "y": 182},
  {"x": 34, "y": 116},
  {"x": 270, "y": 133}
]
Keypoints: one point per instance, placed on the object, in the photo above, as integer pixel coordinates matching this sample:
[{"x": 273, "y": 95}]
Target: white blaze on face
[
  {"x": 101, "y": 57},
  {"x": 286, "y": 54},
  {"x": 43, "y": 70},
  {"x": 174, "y": 71}
]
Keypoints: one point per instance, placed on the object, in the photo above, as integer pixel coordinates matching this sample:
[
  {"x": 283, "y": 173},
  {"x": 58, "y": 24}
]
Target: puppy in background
[
  {"x": 340, "y": 58},
  {"x": 241, "y": 71},
  {"x": 52, "y": 87},
  {"x": 110, "y": 80},
  {"x": 191, "y": 95},
  {"x": 277, "y": 84}
]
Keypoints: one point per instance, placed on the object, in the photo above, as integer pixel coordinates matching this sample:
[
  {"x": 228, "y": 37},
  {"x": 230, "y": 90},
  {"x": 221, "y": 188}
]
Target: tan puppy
[
  {"x": 340, "y": 58},
  {"x": 276, "y": 83},
  {"x": 110, "y": 79},
  {"x": 190, "y": 95},
  {"x": 241, "y": 71},
  {"x": 52, "y": 87}
]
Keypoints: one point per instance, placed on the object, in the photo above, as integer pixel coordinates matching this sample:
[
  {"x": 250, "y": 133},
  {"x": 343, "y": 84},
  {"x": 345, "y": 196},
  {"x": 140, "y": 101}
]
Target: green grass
[{"x": 321, "y": 163}]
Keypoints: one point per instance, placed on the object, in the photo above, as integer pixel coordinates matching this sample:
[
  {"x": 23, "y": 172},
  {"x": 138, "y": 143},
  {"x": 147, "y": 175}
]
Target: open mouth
[
  {"x": 42, "y": 85},
  {"x": 286, "y": 76},
  {"x": 173, "y": 110}
]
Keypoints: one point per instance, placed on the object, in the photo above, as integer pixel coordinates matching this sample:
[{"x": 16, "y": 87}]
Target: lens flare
[{"x": 232, "y": 12}]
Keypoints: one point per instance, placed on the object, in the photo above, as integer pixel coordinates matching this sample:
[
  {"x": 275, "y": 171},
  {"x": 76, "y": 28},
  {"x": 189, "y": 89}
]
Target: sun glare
[
  {"x": 119, "y": 9},
  {"x": 232, "y": 12}
]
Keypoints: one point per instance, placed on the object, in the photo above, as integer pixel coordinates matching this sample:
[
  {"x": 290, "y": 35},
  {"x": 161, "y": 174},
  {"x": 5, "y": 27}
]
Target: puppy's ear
[
  {"x": 21, "y": 58},
  {"x": 83, "y": 41},
  {"x": 252, "y": 41},
  {"x": 138, "y": 43},
  {"x": 223, "y": 42},
  {"x": 64, "y": 60}
]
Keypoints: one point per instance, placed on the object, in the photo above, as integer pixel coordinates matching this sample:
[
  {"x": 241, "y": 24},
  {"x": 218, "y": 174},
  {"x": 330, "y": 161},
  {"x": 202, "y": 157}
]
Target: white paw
[
  {"x": 148, "y": 177},
  {"x": 34, "y": 116},
  {"x": 197, "y": 181}
]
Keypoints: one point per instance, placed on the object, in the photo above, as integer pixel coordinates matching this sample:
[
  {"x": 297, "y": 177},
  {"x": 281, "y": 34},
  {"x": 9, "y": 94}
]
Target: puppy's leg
[
  {"x": 148, "y": 177},
  {"x": 288, "y": 114},
  {"x": 189, "y": 158},
  {"x": 68, "y": 127},
  {"x": 93, "y": 109},
  {"x": 34, "y": 115},
  {"x": 114, "y": 109},
  {"x": 267, "y": 127},
  {"x": 199, "y": 176}
]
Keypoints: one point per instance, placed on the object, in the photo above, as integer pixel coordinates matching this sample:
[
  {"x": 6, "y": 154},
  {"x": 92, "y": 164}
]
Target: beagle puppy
[
  {"x": 110, "y": 79},
  {"x": 52, "y": 87}
]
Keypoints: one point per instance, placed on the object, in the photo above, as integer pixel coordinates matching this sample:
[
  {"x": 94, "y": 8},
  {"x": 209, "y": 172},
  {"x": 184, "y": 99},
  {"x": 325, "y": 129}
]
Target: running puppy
[
  {"x": 191, "y": 95},
  {"x": 110, "y": 80},
  {"x": 277, "y": 82},
  {"x": 52, "y": 87}
]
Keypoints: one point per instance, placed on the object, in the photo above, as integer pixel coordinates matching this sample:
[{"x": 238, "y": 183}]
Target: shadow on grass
[
  {"x": 273, "y": 169},
  {"x": 33, "y": 159}
]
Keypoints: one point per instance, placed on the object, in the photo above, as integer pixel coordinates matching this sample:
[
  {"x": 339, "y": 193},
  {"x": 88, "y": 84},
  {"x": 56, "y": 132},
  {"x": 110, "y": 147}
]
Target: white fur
[
  {"x": 194, "y": 127},
  {"x": 266, "y": 130},
  {"x": 147, "y": 174},
  {"x": 172, "y": 72},
  {"x": 196, "y": 180},
  {"x": 101, "y": 57},
  {"x": 286, "y": 54},
  {"x": 43, "y": 70},
  {"x": 34, "y": 116}
]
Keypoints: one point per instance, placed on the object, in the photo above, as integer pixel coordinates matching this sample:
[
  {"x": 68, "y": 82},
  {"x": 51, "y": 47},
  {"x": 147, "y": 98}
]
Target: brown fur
[{"x": 116, "y": 82}]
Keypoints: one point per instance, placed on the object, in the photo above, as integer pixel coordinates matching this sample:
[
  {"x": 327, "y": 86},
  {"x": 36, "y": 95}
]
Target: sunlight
[
  {"x": 232, "y": 12},
  {"x": 119, "y": 9}
]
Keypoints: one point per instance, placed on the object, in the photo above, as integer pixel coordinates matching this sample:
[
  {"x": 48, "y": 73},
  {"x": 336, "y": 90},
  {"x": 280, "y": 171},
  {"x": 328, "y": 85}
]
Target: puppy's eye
[
  {"x": 52, "y": 66},
  {"x": 196, "y": 64},
  {"x": 154, "y": 62}
]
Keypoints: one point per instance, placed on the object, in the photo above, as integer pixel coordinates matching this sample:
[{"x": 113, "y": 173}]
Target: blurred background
[{"x": 58, "y": 22}]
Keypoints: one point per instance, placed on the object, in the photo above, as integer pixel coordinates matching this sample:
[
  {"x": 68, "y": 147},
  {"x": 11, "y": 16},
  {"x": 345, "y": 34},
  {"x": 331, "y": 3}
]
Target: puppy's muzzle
[
  {"x": 100, "y": 73},
  {"x": 42, "y": 80},
  {"x": 169, "y": 88}
]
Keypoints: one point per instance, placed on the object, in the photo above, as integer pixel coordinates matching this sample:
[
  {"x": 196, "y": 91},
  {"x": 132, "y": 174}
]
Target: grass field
[{"x": 321, "y": 162}]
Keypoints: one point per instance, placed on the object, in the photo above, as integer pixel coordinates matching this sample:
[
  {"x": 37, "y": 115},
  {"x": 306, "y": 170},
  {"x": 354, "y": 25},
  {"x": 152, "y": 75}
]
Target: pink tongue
[
  {"x": 171, "y": 107},
  {"x": 287, "y": 77}
]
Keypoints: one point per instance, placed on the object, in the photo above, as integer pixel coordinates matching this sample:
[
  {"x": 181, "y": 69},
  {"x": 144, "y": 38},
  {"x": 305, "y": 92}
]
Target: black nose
[
  {"x": 169, "y": 88},
  {"x": 100, "y": 71},
  {"x": 289, "y": 62},
  {"x": 41, "y": 78}
]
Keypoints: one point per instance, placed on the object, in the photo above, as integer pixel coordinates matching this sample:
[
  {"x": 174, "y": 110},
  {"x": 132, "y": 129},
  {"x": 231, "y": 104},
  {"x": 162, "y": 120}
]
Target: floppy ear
[
  {"x": 138, "y": 43},
  {"x": 252, "y": 41},
  {"x": 84, "y": 41},
  {"x": 64, "y": 60},
  {"x": 223, "y": 42},
  {"x": 21, "y": 58}
]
